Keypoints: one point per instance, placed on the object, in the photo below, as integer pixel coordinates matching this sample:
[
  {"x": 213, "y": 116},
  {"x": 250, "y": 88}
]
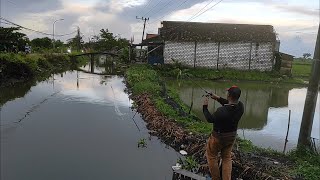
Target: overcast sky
[{"x": 295, "y": 21}]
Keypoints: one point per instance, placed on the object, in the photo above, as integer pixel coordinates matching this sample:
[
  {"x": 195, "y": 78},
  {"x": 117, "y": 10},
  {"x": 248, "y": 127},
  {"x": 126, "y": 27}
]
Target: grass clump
[{"x": 307, "y": 163}]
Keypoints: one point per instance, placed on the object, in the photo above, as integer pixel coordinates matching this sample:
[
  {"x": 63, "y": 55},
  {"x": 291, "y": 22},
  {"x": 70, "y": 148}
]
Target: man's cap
[{"x": 234, "y": 91}]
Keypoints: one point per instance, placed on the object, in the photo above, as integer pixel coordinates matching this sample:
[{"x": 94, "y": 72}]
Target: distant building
[{"x": 217, "y": 45}]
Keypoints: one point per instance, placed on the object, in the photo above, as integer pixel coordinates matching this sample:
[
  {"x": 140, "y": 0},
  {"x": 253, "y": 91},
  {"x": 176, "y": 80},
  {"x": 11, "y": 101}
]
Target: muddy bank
[{"x": 245, "y": 165}]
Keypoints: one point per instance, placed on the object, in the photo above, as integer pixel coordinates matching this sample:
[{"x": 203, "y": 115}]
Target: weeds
[
  {"x": 142, "y": 143},
  {"x": 189, "y": 163}
]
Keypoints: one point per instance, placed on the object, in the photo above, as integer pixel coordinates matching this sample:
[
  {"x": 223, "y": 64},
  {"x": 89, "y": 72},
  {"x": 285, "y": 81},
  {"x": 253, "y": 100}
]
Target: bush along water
[
  {"x": 167, "y": 118},
  {"x": 21, "y": 67}
]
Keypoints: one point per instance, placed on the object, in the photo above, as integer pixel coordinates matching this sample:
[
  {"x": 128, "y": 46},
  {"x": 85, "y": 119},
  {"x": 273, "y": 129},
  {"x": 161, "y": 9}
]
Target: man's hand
[
  {"x": 205, "y": 101},
  {"x": 214, "y": 96}
]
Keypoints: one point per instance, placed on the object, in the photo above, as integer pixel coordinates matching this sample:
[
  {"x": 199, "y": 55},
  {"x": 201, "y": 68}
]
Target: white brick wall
[
  {"x": 181, "y": 51},
  {"x": 207, "y": 55},
  {"x": 234, "y": 55}
]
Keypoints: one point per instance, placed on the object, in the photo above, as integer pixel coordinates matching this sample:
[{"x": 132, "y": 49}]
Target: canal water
[
  {"x": 77, "y": 125},
  {"x": 265, "y": 121}
]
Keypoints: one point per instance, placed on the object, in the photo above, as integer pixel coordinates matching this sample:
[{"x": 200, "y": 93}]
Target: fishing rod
[{"x": 208, "y": 94}]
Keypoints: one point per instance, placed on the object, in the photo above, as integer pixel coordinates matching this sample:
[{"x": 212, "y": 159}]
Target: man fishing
[{"x": 225, "y": 123}]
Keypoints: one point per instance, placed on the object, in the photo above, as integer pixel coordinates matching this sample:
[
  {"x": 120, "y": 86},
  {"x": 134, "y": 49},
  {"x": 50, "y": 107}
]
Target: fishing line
[
  {"x": 31, "y": 110},
  {"x": 207, "y": 92},
  {"x": 117, "y": 108}
]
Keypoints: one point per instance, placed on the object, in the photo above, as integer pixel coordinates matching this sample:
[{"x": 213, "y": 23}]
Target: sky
[{"x": 295, "y": 21}]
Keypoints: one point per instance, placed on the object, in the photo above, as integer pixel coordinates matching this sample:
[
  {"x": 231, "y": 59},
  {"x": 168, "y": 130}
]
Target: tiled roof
[{"x": 218, "y": 32}]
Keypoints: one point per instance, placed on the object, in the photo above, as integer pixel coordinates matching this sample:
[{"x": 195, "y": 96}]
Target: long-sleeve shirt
[{"x": 225, "y": 118}]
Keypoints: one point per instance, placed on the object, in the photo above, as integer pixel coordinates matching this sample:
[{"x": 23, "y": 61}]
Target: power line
[
  {"x": 201, "y": 9},
  {"x": 193, "y": 17},
  {"x": 162, "y": 7},
  {"x": 170, "y": 13},
  {"x": 29, "y": 29},
  {"x": 147, "y": 4},
  {"x": 152, "y": 8},
  {"x": 25, "y": 27},
  {"x": 207, "y": 9}
]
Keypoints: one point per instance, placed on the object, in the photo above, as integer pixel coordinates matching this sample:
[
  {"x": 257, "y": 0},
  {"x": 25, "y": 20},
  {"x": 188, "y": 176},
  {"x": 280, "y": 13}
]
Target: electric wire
[
  {"x": 152, "y": 8},
  {"x": 169, "y": 13},
  {"x": 36, "y": 31}
]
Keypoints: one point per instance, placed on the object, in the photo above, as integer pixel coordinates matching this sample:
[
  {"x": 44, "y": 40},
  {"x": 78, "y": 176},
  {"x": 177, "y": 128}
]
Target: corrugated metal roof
[{"x": 218, "y": 32}]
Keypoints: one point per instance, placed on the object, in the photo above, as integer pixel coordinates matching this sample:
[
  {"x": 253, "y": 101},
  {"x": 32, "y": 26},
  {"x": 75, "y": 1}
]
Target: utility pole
[
  {"x": 311, "y": 98},
  {"x": 79, "y": 39},
  {"x": 0, "y": 12},
  {"x": 144, "y": 27}
]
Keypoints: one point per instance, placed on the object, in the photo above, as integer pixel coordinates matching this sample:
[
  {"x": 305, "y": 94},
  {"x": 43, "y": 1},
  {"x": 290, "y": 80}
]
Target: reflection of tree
[
  {"x": 256, "y": 98},
  {"x": 279, "y": 97},
  {"x": 18, "y": 90}
]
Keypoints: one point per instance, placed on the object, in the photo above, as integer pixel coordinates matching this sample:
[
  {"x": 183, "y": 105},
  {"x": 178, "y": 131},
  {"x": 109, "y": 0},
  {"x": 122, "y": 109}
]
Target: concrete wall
[{"x": 235, "y": 55}]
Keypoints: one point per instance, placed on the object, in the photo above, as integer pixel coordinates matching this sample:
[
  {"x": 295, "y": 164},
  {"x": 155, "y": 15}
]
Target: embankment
[
  {"x": 20, "y": 67},
  {"x": 167, "y": 118}
]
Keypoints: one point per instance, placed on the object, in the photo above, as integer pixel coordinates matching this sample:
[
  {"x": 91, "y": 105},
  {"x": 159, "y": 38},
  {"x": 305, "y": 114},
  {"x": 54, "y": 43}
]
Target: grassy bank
[
  {"x": 234, "y": 75},
  {"x": 20, "y": 67},
  {"x": 146, "y": 79}
]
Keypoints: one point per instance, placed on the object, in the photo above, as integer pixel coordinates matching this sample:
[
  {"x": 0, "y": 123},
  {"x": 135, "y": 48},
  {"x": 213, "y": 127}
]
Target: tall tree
[
  {"x": 107, "y": 41},
  {"x": 11, "y": 40},
  {"x": 75, "y": 42}
]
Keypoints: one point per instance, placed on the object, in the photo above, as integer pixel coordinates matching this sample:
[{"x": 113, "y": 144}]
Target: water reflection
[
  {"x": 102, "y": 64},
  {"x": 265, "y": 119},
  {"x": 84, "y": 130}
]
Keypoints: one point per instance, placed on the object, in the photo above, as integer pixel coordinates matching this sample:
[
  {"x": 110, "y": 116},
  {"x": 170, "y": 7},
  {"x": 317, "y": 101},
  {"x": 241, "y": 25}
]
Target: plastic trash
[{"x": 183, "y": 152}]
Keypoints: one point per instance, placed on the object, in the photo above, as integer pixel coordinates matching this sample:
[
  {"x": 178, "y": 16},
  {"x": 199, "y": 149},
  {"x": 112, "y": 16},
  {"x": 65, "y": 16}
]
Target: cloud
[
  {"x": 298, "y": 10},
  {"x": 289, "y": 17}
]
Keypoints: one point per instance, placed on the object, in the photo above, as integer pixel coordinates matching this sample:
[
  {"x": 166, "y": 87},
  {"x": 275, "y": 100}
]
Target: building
[
  {"x": 286, "y": 63},
  {"x": 218, "y": 45}
]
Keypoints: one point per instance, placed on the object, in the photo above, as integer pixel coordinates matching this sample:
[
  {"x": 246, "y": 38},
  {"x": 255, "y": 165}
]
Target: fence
[{"x": 221, "y": 55}]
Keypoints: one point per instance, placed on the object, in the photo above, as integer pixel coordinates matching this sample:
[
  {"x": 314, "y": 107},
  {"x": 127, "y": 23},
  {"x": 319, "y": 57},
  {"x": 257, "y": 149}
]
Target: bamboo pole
[{"x": 286, "y": 141}]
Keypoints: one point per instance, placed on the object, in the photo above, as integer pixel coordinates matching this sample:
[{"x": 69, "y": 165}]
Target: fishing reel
[{"x": 208, "y": 94}]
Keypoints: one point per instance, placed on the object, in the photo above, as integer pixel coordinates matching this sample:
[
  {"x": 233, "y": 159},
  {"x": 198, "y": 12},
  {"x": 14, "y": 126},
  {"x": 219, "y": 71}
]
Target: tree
[
  {"x": 76, "y": 42},
  {"x": 107, "y": 41},
  {"x": 306, "y": 55},
  {"x": 41, "y": 43},
  {"x": 11, "y": 40},
  {"x": 58, "y": 44}
]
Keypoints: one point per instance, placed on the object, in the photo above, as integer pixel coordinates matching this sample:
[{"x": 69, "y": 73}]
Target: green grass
[
  {"x": 307, "y": 163},
  {"x": 176, "y": 71},
  {"x": 301, "y": 68}
]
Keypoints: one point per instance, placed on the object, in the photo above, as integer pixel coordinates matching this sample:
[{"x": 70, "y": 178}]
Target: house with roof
[{"x": 216, "y": 45}]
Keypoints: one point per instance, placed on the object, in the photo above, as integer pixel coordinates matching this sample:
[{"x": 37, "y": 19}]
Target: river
[
  {"x": 265, "y": 121},
  {"x": 77, "y": 125}
]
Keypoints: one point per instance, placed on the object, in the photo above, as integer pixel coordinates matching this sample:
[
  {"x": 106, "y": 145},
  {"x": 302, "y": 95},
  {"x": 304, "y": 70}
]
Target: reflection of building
[{"x": 256, "y": 100}]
